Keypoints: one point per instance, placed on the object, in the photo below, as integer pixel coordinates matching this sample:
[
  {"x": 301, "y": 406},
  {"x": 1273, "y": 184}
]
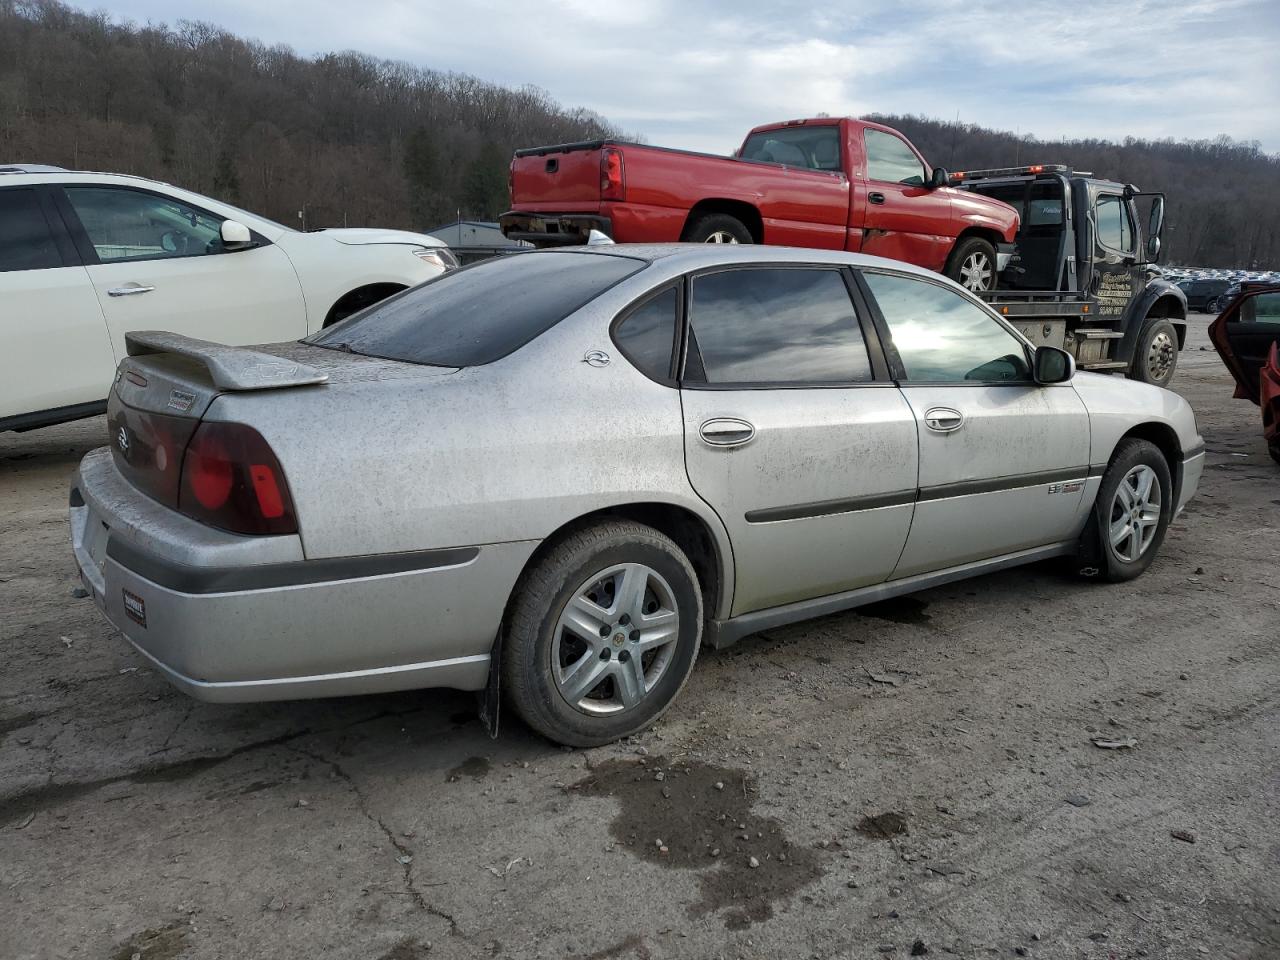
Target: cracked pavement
[{"x": 136, "y": 821}]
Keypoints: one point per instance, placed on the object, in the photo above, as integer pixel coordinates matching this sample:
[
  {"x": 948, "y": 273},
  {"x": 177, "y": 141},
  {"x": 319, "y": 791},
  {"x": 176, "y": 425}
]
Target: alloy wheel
[
  {"x": 721, "y": 236},
  {"x": 1135, "y": 513},
  {"x": 615, "y": 639},
  {"x": 975, "y": 272}
]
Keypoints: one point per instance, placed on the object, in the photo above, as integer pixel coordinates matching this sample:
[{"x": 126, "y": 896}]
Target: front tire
[
  {"x": 1132, "y": 512},
  {"x": 602, "y": 634},
  {"x": 972, "y": 264},
  {"x": 1156, "y": 359}
]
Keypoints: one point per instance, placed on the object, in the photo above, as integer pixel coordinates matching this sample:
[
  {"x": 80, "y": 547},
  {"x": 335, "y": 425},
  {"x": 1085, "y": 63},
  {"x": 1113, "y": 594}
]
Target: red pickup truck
[{"x": 835, "y": 183}]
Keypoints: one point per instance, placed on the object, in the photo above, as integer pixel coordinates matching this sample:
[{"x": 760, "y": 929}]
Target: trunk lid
[
  {"x": 559, "y": 175},
  {"x": 163, "y": 389}
]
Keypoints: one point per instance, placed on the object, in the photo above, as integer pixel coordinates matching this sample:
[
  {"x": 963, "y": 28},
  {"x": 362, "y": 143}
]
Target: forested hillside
[
  {"x": 350, "y": 139},
  {"x": 1223, "y": 204},
  {"x": 347, "y": 138}
]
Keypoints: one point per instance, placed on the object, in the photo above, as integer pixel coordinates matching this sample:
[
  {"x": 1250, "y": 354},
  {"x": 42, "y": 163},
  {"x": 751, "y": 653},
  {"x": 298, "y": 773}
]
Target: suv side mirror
[
  {"x": 235, "y": 235},
  {"x": 1051, "y": 365},
  {"x": 939, "y": 178}
]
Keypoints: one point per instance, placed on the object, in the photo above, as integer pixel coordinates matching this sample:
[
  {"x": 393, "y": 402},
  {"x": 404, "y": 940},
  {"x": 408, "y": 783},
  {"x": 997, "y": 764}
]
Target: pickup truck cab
[{"x": 829, "y": 183}]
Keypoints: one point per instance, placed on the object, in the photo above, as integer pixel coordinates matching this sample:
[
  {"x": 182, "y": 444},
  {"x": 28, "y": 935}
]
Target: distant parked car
[
  {"x": 592, "y": 461},
  {"x": 1202, "y": 293},
  {"x": 87, "y": 257},
  {"x": 1220, "y": 302}
]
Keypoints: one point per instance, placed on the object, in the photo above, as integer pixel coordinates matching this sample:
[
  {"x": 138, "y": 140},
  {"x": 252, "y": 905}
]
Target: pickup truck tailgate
[{"x": 563, "y": 177}]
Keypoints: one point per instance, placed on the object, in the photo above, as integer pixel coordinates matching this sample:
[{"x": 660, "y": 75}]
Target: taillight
[
  {"x": 613, "y": 185},
  {"x": 511, "y": 181},
  {"x": 232, "y": 480}
]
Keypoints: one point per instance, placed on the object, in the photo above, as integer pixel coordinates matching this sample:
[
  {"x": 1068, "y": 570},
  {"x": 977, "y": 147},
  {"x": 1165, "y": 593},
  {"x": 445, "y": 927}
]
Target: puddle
[
  {"x": 160, "y": 943},
  {"x": 693, "y": 818},
  {"x": 882, "y": 826},
  {"x": 907, "y": 610},
  {"x": 477, "y": 768}
]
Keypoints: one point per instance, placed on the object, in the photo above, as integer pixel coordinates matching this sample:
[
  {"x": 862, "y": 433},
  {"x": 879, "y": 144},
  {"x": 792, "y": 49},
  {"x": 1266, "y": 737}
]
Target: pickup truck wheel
[
  {"x": 602, "y": 634},
  {"x": 1156, "y": 358},
  {"x": 972, "y": 264},
  {"x": 717, "y": 228},
  {"x": 1132, "y": 512}
]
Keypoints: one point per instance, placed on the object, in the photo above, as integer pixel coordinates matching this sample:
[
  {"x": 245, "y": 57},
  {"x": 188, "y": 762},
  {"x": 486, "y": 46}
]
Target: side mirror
[
  {"x": 939, "y": 178},
  {"x": 235, "y": 235},
  {"x": 1052, "y": 365},
  {"x": 1155, "y": 220},
  {"x": 1153, "y": 249}
]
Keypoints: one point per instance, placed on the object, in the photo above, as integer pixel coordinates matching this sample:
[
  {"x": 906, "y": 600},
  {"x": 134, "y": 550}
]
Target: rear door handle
[
  {"x": 943, "y": 419},
  {"x": 726, "y": 432},
  {"x": 876, "y": 197},
  {"x": 129, "y": 290}
]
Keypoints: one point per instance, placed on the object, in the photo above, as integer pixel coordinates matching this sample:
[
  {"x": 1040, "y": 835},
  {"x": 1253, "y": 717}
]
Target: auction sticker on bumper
[{"x": 135, "y": 607}]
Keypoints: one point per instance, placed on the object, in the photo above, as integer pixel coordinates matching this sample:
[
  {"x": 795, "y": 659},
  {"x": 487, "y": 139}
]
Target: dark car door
[{"x": 1243, "y": 336}]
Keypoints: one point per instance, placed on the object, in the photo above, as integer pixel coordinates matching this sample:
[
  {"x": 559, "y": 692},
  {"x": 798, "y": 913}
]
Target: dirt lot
[{"x": 959, "y": 808}]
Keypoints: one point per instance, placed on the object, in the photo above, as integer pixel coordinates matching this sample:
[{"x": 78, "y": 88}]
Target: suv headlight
[{"x": 441, "y": 256}]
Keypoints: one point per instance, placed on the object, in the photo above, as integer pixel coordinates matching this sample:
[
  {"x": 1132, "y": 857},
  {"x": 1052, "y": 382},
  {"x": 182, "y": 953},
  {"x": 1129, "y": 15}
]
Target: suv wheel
[
  {"x": 1156, "y": 358},
  {"x": 602, "y": 634},
  {"x": 972, "y": 264},
  {"x": 1132, "y": 512}
]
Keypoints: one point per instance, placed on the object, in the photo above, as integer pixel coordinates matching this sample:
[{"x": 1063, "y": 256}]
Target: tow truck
[{"x": 1083, "y": 274}]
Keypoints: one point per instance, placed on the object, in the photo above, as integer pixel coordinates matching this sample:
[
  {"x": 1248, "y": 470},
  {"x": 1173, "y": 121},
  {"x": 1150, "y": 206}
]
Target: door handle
[
  {"x": 727, "y": 432},
  {"x": 875, "y": 197},
  {"x": 943, "y": 419},
  {"x": 129, "y": 290}
]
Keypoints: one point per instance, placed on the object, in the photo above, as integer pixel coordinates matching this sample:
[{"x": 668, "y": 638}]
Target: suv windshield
[{"x": 481, "y": 313}]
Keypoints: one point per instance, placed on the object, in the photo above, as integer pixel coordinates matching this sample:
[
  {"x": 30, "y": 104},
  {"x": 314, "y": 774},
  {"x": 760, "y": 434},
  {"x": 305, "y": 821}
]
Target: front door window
[{"x": 125, "y": 224}]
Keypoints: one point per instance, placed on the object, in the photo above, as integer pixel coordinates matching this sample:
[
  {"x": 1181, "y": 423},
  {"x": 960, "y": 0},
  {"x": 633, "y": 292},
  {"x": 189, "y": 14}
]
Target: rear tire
[
  {"x": 972, "y": 264},
  {"x": 1131, "y": 514},
  {"x": 717, "y": 228},
  {"x": 1156, "y": 359},
  {"x": 584, "y": 680}
]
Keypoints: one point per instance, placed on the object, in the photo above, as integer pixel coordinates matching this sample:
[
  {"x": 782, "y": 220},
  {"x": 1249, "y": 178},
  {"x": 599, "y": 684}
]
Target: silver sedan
[{"x": 560, "y": 473}]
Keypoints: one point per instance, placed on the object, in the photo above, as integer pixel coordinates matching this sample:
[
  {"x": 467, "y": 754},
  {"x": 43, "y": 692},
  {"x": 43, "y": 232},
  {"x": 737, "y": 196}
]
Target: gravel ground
[{"x": 791, "y": 804}]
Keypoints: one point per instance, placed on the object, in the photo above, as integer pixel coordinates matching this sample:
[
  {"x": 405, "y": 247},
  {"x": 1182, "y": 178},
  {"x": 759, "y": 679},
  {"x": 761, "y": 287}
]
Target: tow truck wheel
[
  {"x": 972, "y": 264},
  {"x": 1156, "y": 358},
  {"x": 717, "y": 228}
]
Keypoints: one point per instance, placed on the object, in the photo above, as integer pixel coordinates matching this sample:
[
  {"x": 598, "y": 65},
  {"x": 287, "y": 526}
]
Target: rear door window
[
  {"x": 481, "y": 313},
  {"x": 26, "y": 242},
  {"x": 774, "y": 326}
]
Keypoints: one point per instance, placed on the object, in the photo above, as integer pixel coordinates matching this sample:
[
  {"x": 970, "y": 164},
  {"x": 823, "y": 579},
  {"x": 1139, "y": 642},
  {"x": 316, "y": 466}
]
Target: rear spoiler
[{"x": 231, "y": 368}]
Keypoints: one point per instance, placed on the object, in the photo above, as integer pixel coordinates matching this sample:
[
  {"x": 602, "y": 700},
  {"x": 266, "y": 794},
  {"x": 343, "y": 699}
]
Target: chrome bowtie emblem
[{"x": 122, "y": 438}]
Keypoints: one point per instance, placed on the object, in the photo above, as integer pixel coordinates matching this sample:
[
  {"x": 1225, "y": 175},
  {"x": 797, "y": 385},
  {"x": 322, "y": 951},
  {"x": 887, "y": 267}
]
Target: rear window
[
  {"x": 482, "y": 313},
  {"x": 816, "y": 147}
]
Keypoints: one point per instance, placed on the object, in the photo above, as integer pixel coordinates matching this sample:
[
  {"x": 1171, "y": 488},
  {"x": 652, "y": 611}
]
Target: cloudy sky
[{"x": 699, "y": 73}]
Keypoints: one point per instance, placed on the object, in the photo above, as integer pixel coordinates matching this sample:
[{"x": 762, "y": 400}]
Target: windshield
[{"x": 481, "y": 313}]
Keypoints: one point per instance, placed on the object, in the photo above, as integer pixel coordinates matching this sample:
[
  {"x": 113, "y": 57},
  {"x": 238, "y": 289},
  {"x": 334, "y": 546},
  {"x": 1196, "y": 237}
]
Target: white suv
[{"x": 87, "y": 257}]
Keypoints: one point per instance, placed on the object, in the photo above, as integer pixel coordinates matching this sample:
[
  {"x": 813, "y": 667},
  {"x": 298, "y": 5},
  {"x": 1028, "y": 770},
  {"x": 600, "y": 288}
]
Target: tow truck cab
[{"x": 1083, "y": 276}]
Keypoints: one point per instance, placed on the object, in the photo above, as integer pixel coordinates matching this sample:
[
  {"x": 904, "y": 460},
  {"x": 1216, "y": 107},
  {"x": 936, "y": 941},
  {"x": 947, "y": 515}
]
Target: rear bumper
[
  {"x": 223, "y": 627},
  {"x": 555, "y": 229}
]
